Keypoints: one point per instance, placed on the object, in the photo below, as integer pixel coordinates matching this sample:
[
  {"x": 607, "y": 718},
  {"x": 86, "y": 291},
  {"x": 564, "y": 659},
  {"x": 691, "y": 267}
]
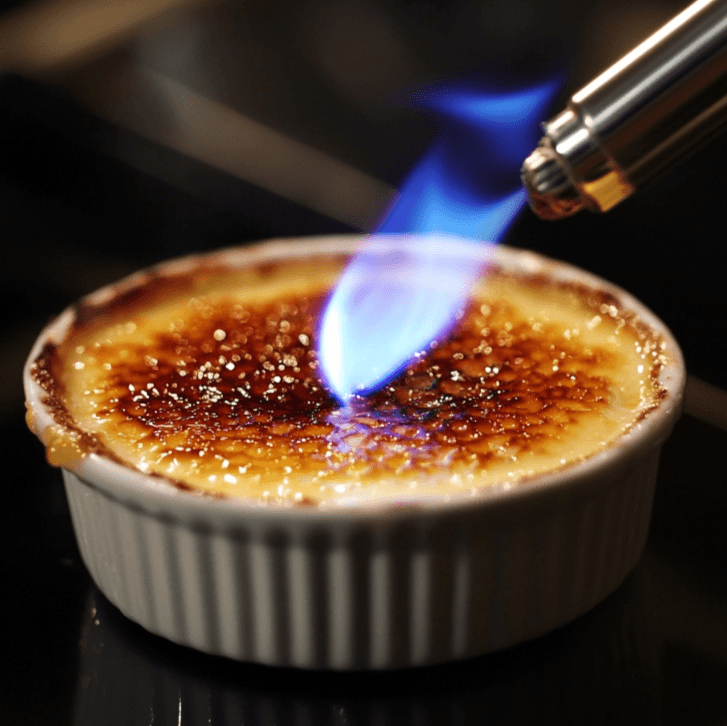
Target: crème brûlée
[{"x": 210, "y": 380}]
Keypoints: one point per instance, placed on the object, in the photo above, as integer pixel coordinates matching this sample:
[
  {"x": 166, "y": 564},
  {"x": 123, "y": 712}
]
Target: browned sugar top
[
  {"x": 251, "y": 373},
  {"x": 236, "y": 384}
]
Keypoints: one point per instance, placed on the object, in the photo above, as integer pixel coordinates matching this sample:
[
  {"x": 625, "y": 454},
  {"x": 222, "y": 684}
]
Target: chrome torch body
[{"x": 652, "y": 107}]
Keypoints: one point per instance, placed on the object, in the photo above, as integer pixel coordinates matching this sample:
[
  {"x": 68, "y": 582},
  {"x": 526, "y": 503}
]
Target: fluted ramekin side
[{"x": 409, "y": 590}]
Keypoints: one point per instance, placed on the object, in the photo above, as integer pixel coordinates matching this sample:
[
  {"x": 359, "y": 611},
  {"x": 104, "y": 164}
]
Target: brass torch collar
[{"x": 569, "y": 170}]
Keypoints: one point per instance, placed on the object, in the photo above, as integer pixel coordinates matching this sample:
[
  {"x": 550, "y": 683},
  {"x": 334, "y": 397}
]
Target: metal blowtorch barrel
[{"x": 652, "y": 107}]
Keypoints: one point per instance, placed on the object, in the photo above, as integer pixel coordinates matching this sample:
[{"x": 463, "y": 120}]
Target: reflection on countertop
[{"x": 125, "y": 676}]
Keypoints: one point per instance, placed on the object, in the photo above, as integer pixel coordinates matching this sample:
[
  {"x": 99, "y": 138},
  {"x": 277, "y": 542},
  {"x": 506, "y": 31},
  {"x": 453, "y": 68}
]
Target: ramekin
[{"x": 375, "y": 586}]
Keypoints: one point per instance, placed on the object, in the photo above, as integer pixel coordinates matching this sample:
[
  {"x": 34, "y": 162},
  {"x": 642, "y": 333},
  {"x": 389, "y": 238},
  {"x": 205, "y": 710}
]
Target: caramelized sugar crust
[{"x": 226, "y": 398}]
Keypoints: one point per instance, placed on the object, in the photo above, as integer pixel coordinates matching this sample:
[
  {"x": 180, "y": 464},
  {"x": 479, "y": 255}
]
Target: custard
[{"x": 210, "y": 380}]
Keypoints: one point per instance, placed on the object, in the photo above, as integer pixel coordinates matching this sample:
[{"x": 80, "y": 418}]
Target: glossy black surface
[{"x": 75, "y": 216}]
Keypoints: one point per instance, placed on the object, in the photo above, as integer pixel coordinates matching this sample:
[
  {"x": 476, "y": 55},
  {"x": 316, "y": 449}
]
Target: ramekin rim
[{"x": 125, "y": 482}]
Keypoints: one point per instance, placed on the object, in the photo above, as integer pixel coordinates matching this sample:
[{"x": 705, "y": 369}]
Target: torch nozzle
[
  {"x": 551, "y": 192},
  {"x": 652, "y": 107}
]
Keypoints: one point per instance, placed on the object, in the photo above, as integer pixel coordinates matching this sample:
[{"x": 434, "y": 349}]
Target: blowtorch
[{"x": 654, "y": 106}]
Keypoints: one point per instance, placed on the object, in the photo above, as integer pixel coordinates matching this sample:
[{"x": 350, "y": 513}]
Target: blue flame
[{"x": 404, "y": 288}]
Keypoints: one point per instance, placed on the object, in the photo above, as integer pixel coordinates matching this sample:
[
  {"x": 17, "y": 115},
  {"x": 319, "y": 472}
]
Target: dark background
[{"x": 84, "y": 201}]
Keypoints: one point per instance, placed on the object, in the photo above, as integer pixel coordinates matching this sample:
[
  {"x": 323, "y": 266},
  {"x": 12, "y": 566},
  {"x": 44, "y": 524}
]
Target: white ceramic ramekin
[{"x": 375, "y": 586}]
